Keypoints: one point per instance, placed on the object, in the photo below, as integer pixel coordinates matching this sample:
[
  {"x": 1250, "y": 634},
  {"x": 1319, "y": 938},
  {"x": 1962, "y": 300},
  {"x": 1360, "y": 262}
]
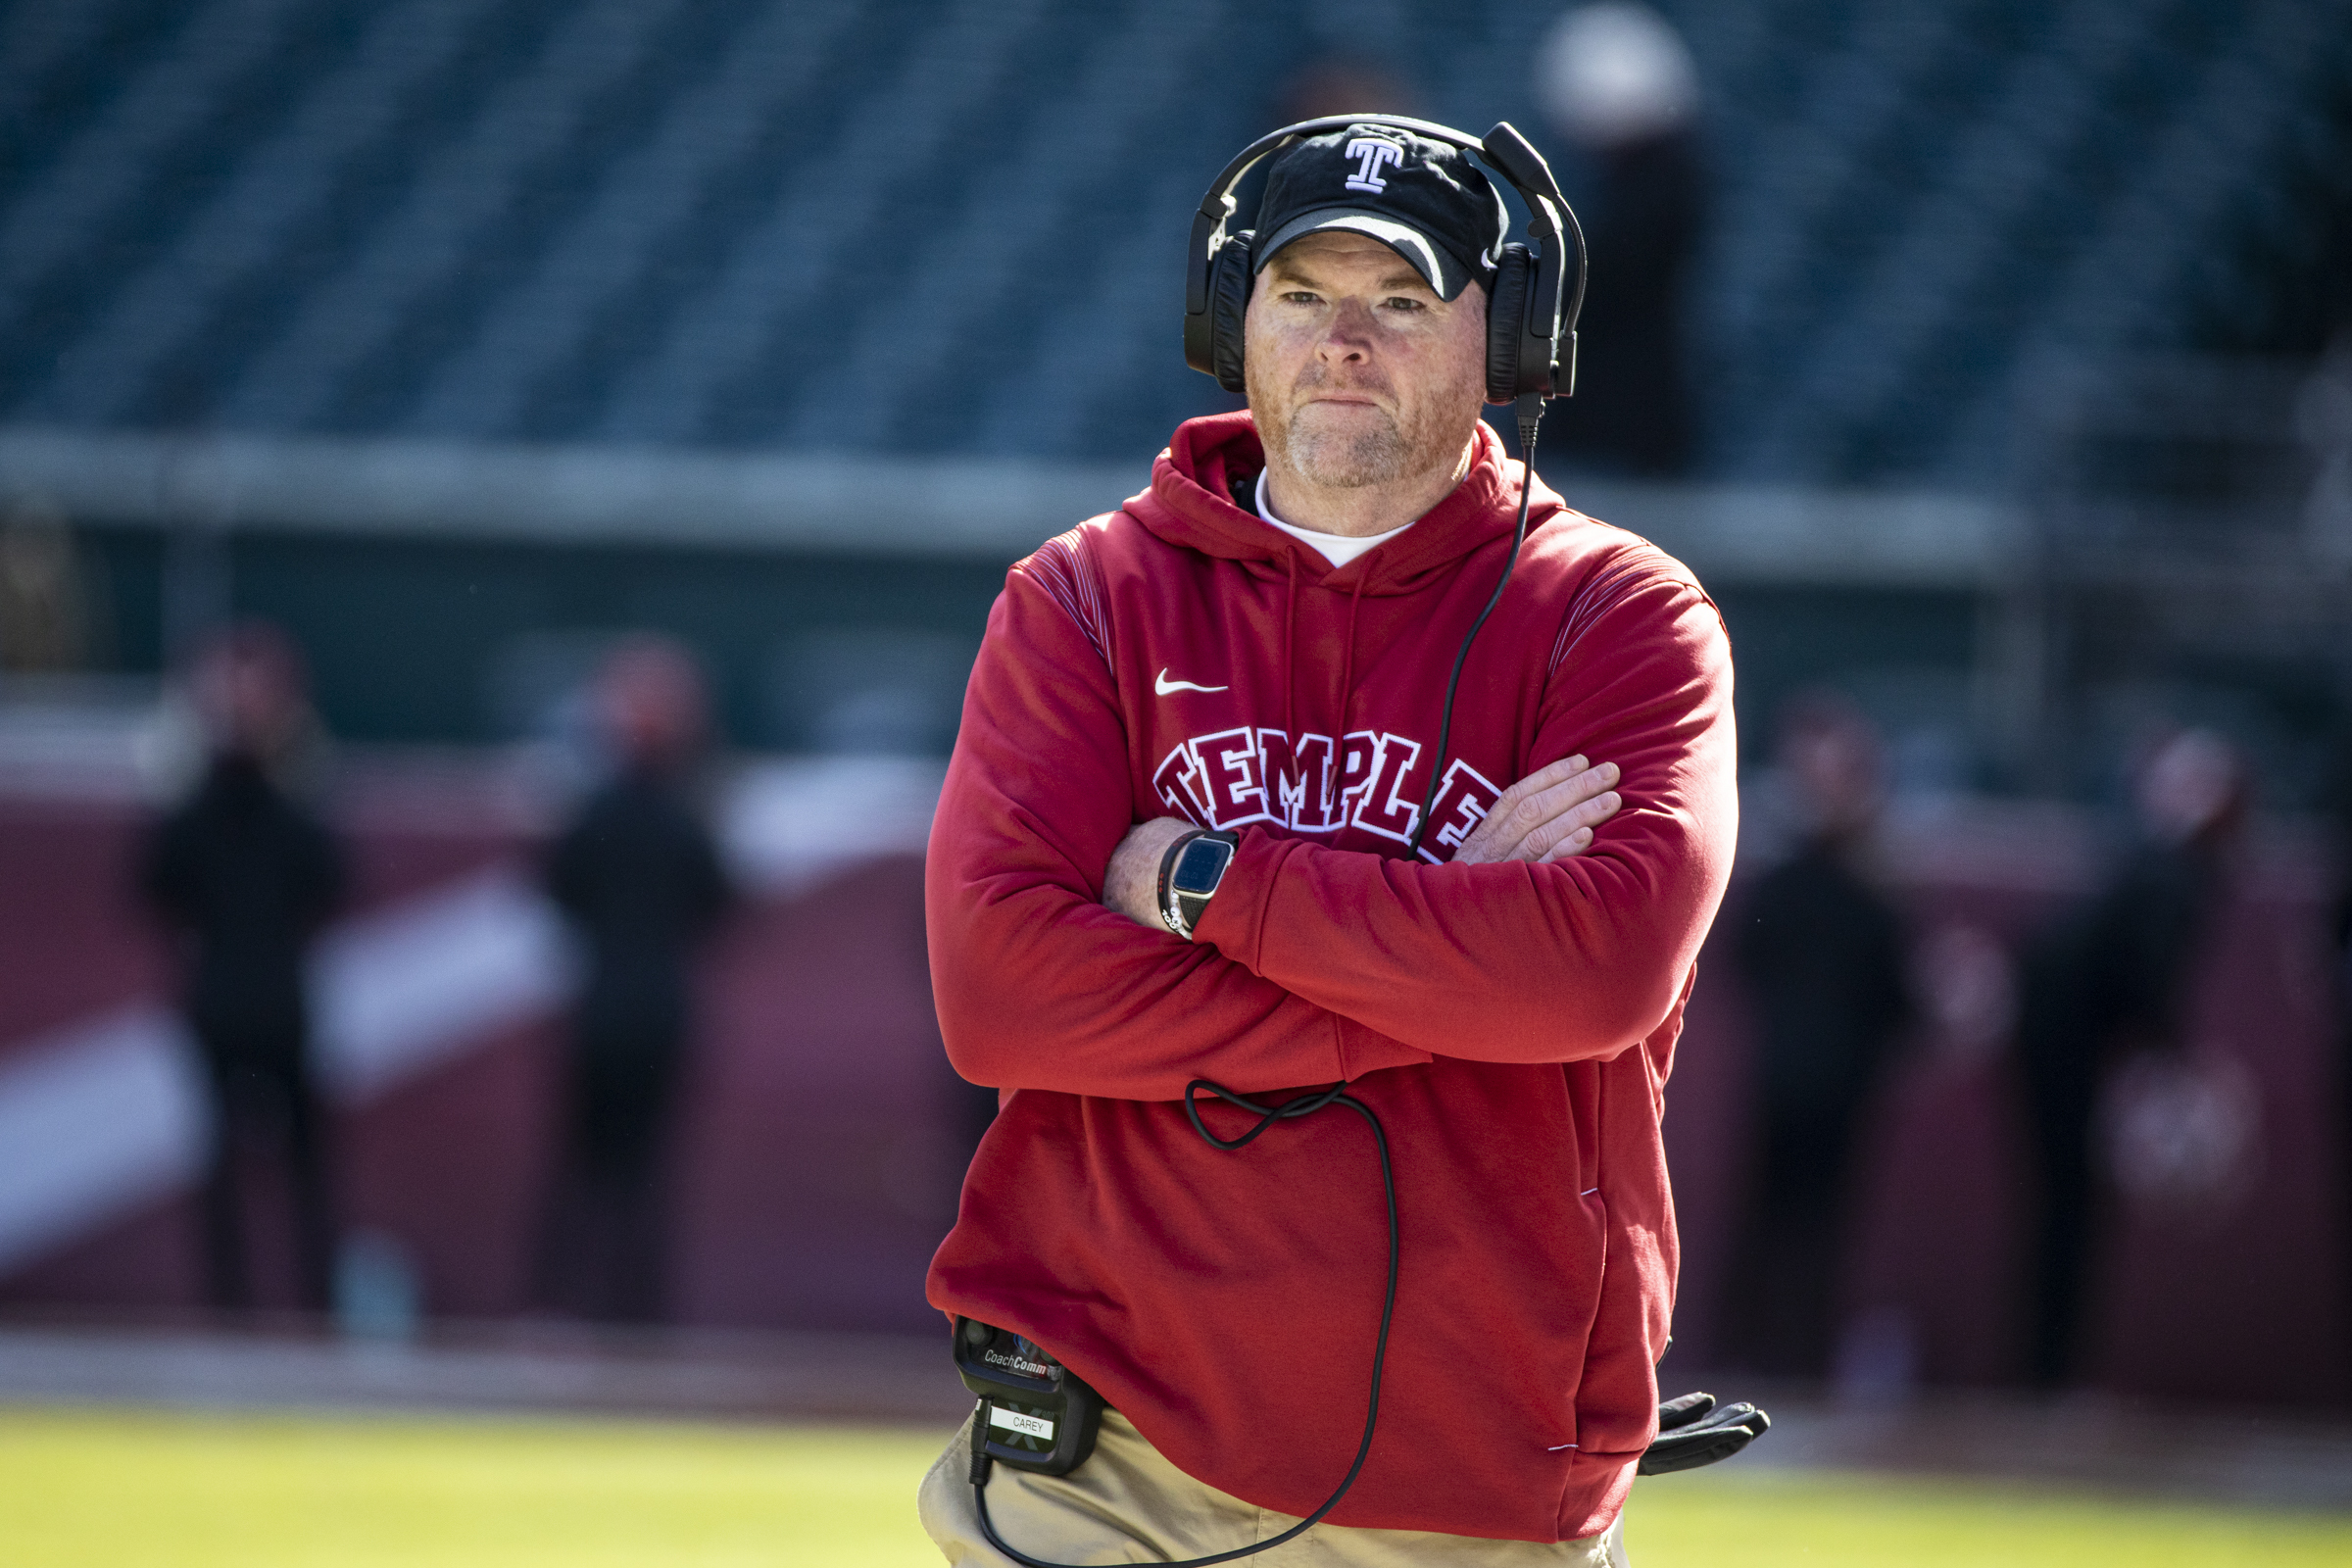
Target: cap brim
[{"x": 1444, "y": 275}]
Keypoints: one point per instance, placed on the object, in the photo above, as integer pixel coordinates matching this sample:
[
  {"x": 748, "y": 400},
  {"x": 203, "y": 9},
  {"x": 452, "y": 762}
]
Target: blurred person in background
[
  {"x": 2109, "y": 980},
  {"x": 1618, "y": 82},
  {"x": 1822, "y": 951},
  {"x": 2323, "y": 420},
  {"x": 639, "y": 876},
  {"x": 44, "y": 609},
  {"x": 2338, "y": 805},
  {"x": 244, "y": 874}
]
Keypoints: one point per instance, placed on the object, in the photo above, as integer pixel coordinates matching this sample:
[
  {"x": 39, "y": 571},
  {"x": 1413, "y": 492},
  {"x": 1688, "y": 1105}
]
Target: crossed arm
[
  {"x": 1542, "y": 940},
  {"x": 1547, "y": 815}
]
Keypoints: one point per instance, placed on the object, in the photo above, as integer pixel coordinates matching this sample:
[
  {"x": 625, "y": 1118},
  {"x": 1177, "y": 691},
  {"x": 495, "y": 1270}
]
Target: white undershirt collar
[{"x": 1336, "y": 548}]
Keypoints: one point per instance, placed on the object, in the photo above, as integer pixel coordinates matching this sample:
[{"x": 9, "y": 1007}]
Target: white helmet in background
[{"x": 1615, "y": 72}]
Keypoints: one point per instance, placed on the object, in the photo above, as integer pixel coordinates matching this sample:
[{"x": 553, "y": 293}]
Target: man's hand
[
  {"x": 1547, "y": 815},
  {"x": 1131, "y": 884}
]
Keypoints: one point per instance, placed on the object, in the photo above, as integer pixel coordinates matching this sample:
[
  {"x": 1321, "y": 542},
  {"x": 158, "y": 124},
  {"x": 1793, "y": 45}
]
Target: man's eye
[
  {"x": 1405, "y": 302},
  {"x": 1301, "y": 296}
]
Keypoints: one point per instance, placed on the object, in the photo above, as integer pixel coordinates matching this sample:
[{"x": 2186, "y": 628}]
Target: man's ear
[{"x": 1232, "y": 279}]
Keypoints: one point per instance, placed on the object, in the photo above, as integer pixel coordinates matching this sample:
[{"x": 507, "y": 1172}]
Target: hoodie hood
[{"x": 1191, "y": 505}]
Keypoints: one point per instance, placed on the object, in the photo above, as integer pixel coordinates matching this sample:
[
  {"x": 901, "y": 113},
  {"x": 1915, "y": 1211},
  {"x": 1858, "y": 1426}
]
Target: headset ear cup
[
  {"x": 1506, "y": 321},
  {"x": 1230, "y": 274}
]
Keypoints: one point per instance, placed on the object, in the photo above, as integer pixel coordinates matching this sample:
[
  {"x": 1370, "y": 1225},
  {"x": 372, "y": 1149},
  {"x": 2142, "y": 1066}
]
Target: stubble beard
[
  {"x": 1344, "y": 460},
  {"x": 1397, "y": 445}
]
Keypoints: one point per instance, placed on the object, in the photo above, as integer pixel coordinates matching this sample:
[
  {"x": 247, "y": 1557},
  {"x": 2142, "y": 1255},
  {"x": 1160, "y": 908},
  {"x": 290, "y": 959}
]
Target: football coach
[{"x": 1223, "y": 842}]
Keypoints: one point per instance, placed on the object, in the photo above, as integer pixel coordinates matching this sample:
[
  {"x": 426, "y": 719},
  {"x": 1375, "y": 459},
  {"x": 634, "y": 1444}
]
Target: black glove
[{"x": 1692, "y": 1431}]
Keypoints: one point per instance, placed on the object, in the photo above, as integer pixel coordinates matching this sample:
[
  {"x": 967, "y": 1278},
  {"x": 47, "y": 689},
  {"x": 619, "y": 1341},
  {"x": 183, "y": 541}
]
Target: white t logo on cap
[{"x": 1371, "y": 155}]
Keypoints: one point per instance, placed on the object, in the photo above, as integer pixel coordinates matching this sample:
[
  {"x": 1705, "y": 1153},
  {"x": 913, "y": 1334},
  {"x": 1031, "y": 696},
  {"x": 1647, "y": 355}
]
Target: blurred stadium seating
[
  {"x": 1929, "y": 208},
  {"x": 942, "y": 225}
]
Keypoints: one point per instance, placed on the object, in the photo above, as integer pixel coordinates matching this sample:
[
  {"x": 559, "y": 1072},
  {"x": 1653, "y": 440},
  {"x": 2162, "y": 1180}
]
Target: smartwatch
[{"x": 1189, "y": 874}]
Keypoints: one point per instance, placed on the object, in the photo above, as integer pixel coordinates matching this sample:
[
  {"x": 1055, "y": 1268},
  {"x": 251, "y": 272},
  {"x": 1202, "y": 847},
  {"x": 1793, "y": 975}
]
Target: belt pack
[{"x": 1035, "y": 1413}]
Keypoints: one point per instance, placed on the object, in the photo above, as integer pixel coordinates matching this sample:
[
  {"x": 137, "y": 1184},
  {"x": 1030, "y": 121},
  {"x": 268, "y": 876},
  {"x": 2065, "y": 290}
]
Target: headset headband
[{"x": 1505, "y": 151}]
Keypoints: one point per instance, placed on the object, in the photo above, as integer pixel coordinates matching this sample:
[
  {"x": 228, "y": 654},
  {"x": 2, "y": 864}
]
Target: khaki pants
[{"x": 1127, "y": 1505}]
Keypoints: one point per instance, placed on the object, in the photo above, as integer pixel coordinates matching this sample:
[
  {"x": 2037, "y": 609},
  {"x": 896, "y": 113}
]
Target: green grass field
[{"x": 98, "y": 1491}]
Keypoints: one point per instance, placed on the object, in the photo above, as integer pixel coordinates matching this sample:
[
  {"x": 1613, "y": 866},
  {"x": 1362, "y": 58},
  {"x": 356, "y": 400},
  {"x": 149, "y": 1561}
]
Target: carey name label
[{"x": 1032, "y": 1426}]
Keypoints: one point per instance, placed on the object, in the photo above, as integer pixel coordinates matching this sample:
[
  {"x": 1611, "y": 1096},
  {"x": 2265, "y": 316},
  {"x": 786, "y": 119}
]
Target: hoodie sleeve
[
  {"x": 1514, "y": 962},
  {"x": 1038, "y": 985}
]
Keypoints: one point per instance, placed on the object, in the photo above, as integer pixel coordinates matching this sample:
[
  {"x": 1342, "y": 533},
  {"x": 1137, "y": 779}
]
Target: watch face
[{"x": 1200, "y": 868}]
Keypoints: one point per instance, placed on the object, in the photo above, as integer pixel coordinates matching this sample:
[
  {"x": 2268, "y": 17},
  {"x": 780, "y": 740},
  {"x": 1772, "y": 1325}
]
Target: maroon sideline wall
[{"x": 823, "y": 1136}]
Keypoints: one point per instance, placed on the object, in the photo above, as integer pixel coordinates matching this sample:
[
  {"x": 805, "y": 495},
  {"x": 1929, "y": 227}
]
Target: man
[
  {"x": 1261, "y": 643},
  {"x": 639, "y": 876},
  {"x": 1823, "y": 952},
  {"x": 2108, "y": 981},
  {"x": 1619, "y": 81},
  {"x": 244, "y": 875}
]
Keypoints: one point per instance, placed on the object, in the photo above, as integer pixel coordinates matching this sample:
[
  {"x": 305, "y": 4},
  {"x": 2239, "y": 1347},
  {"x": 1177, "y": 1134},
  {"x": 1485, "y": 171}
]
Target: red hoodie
[{"x": 1512, "y": 1025}]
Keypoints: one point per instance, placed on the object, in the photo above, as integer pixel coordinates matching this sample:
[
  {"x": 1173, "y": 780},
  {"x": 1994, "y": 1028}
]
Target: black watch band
[{"x": 1189, "y": 874}]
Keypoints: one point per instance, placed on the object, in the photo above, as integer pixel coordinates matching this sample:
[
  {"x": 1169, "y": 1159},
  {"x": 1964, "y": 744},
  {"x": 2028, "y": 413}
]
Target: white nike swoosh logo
[{"x": 1165, "y": 686}]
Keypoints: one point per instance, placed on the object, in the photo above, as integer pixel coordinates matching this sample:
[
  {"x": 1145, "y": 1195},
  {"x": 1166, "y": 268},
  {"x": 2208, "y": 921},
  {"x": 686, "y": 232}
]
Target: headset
[{"x": 1531, "y": 339}]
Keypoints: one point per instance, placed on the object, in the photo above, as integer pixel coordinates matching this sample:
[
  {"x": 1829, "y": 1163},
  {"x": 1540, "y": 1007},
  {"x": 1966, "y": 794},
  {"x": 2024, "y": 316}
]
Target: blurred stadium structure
[
  {"x": 286, "y": 272},
  {"x": 919, "y": 227},
  {"x": 459, "y": 336}
]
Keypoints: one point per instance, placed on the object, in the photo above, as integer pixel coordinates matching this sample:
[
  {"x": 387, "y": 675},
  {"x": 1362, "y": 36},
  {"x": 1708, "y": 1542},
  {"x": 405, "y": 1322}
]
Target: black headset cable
[
  {"x": 1268, "y": 1117},
  {"x": 1531, "y": 416}
]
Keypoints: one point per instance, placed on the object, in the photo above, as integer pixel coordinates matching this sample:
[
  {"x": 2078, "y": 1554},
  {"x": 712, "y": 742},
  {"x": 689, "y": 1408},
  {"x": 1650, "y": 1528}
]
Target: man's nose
[{"x": 1348, "y": 334}]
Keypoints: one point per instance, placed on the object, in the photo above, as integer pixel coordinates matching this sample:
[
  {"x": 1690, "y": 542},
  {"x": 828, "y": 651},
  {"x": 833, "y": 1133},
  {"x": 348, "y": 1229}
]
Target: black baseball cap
[{"x": 1423, "y": 199}]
